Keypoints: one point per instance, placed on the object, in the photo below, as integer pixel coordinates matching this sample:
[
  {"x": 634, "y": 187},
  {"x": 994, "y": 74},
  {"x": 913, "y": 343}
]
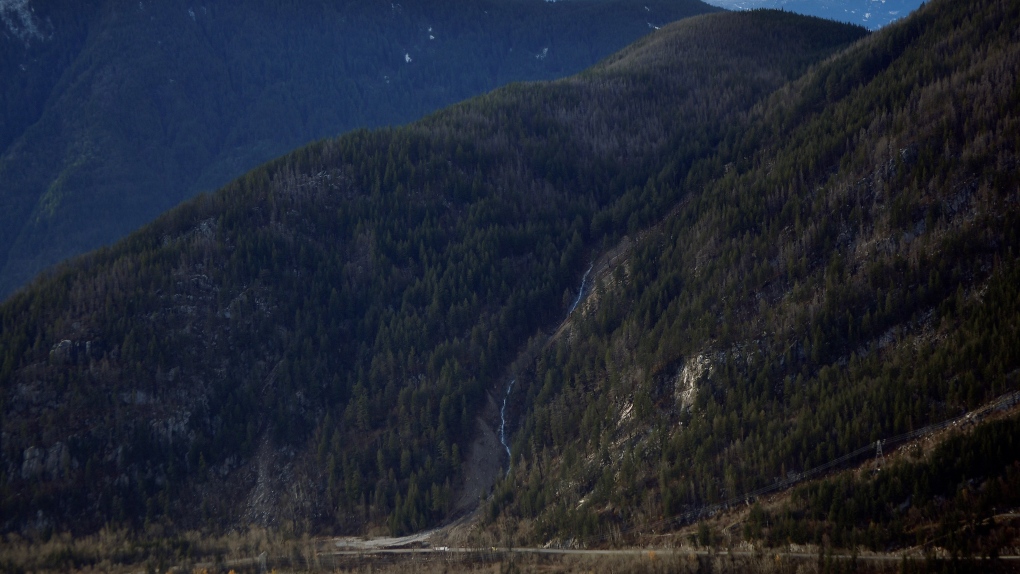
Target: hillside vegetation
[
  {"x": 113, "y": 112},
  {"x": 310, "y": 346},
  {"x": 801, "y": 239},
  {"x": 843, "y": 270}
]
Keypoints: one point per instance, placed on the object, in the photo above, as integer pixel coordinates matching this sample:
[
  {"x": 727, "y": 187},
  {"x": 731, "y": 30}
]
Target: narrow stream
[
  {"x": 510, "y": 385},
  {"x": 502, "y": 425},
  {"x": 580, "y": 292}
]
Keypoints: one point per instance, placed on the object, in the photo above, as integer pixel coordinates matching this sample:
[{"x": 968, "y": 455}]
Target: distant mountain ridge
[
  {"x": 113, "y": 112},
  {"x": 872, "y": 14}
]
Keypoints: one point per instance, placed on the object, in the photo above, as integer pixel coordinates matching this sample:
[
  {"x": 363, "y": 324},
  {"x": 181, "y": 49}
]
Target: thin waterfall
[
  {"x": 502, "y": 424},
  {"x": 510, "y": 385},
  {"x": 580, "y": 292}
]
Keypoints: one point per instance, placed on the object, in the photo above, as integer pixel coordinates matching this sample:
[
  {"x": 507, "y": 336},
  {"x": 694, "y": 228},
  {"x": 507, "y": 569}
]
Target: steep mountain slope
[
  {"x": 843, "y": 271},
  {"x": 113, "y": 112},
  {"x": 313, "y": 343}
]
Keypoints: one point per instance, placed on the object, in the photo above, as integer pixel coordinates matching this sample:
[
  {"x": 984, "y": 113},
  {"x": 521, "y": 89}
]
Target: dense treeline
[
  {"x": 947, "y": 499},
  {"x": 112, "y": 113},
  {"x": 311, "y": 345},
  {"x": 844, "y": 269}
]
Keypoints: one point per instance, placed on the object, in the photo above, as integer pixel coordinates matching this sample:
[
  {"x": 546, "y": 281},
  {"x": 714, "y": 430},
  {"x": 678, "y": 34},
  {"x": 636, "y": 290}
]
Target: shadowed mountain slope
[
  {"x": 113, "y": 112},
  {"x": 311, "y": 344}
]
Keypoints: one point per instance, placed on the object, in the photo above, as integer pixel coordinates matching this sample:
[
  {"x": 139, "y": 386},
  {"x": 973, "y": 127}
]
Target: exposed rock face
[
  {"x": 68, "y": 352},
  {"x": 33, "y": 462},
  {"x": 484, "y": 461},
  {"x": 688, "y": 380},
  {"x": 51, "y": 463},
  {"x": 61, "y": 352}
]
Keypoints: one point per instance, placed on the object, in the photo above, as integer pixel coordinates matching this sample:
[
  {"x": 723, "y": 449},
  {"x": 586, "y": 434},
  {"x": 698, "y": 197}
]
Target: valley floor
[
  {"x": 808, "y": 560},
  {"x": 469, "y": 545}
]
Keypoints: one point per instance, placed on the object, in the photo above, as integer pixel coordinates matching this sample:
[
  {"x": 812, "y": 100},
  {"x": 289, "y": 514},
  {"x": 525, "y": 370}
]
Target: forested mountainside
[
  {"x": 112, "y": 112},
  {"x": 312, "y": 344},
  {"x": 842, "y": 271}
]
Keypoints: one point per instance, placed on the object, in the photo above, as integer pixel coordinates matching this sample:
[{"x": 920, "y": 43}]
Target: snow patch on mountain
[{"x": 20, "y": 19}]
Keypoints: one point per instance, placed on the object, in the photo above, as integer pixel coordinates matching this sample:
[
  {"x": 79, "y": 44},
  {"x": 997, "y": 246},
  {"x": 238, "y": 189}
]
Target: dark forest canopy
[
  {"x": 843, "y": 271},
  {"x": 802, "y": 239},
  {"x": 327, "y": 326}
]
